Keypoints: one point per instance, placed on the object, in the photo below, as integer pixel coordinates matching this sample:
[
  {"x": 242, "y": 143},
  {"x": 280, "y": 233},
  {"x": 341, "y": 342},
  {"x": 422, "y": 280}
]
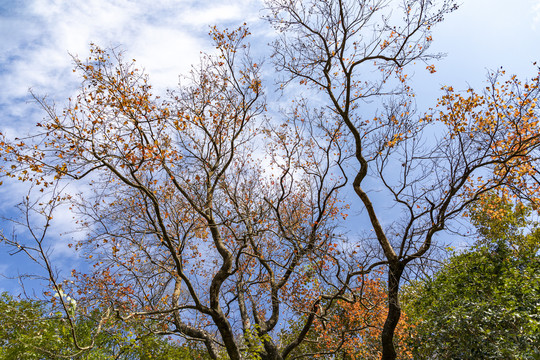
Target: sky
[{"x": 38, "y": 38}]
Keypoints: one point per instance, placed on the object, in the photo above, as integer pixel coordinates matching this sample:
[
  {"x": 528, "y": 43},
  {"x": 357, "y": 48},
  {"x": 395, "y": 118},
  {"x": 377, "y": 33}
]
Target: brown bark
[{"x": 395, "y": 271}]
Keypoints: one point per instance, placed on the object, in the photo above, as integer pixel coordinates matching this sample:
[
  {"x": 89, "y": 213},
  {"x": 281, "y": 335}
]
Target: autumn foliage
[
  {"x": 209, "y": 217},
  {"x": 500, "y": 126},
  {"x": 183, "y": 226},
  {"x": 351, "y": 328}
]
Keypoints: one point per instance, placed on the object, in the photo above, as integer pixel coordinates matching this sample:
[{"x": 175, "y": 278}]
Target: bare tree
[
  {"x": 431, "y": 167},
  {"x": 184, "y": 227},
  {"x": 215, "y": 224}
]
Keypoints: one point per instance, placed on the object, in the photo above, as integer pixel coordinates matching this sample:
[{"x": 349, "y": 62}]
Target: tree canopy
[
  {"x": 34, "y": 330},
  {"x": 483, "y": 303},
  {"x": 214, "y": 219}
]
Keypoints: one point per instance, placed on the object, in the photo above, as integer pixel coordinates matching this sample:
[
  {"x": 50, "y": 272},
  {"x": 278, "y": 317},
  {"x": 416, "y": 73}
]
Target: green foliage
[
  {"x": 500, "y": 223},
  {"x": 31, "y": 331},
  {"x": 483, "y": 303},
  {"x": 254, "y": 343}
]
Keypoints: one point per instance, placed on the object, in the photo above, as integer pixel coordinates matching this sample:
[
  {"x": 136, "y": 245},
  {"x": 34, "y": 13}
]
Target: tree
[
  {"x": 351, "y": 330},
  {"x": 184, "y": 229},
  {"x": 188, "y": 231},
  {"x": 482, "y": 304},
  {"x": 483, "y": 140},
  {"x": 33, "y": 330}
]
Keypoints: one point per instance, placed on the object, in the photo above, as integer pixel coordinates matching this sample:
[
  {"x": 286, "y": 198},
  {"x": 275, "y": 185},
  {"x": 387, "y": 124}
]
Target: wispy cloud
[
  {"x": 165, "y": 37},
  {"x": 535, "y": 6}
]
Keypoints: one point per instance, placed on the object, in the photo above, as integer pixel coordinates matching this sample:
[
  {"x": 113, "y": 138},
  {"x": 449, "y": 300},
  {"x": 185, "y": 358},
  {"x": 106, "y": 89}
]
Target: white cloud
[
  {"x": 165, "y": 37},
  {"x": 535, "y": 7}
]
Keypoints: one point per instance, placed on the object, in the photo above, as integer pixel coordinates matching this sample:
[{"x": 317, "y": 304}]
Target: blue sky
[{"x": 166, "y": 37}]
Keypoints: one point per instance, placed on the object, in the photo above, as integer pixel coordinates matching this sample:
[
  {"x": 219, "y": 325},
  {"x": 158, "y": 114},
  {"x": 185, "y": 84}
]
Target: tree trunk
[
  {"x": 227, "y": 336},
  {"x": 394, "y": 311},
  {"x": 274, "y": 355}
]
